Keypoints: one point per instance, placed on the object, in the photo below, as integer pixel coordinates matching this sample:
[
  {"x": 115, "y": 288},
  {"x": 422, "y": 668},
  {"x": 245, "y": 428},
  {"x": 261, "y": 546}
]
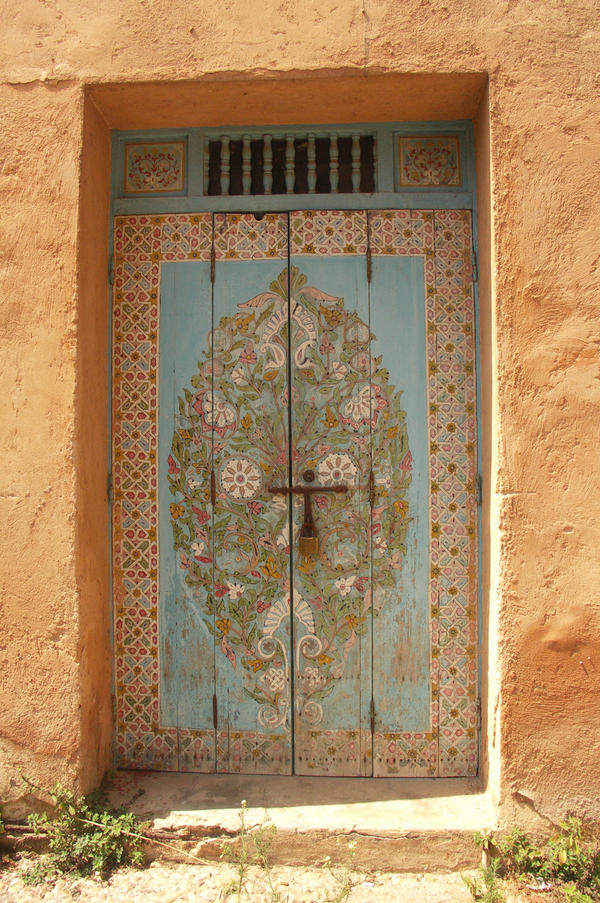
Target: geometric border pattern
[{"x": 443, "y": 240}]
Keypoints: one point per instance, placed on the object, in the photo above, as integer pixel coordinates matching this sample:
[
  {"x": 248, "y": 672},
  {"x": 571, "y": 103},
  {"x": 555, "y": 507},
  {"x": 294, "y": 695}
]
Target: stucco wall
[
  {"x": 130, "y": 64},
  {"x": 39, "y": 711}
]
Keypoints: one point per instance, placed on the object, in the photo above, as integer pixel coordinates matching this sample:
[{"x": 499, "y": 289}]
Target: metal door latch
[{"x": 308, "y": 540}]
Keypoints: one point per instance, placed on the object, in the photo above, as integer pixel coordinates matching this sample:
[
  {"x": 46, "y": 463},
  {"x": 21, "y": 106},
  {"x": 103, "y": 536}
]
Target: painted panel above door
[
  {"x": 291, "y": 167},
  {"x": 246, "y": 353}
]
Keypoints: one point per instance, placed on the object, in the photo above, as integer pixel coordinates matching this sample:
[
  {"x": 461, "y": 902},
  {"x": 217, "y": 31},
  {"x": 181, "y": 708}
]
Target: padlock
[{"x": 308, "y": 545}]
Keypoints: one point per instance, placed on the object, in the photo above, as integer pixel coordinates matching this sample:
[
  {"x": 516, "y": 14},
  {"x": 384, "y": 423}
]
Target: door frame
[{"x": 433, "y": 200}]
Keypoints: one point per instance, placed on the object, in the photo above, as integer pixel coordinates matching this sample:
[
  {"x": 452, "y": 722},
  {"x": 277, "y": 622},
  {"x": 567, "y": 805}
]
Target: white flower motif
[
  {"x": 198, "y": 548},
  {"x": 279, "y": 503},
  {"x": 283, "y": 539},
  {"x": 345, "y": 584},
  {"x": 194, "y": 484},
  {"x": 275, "y": 679},
  {"x": 219, "y": 414},
  {"x": 358, "y": 409},
  {"x": 380, "y": 543},
  {"x": 238, "y": 376},
  {"x": 240, "y": 478},
  {"x": 236, "y": 590},
  {"x": 339, "y": 370},
  {"x": 337, "y": 468}
]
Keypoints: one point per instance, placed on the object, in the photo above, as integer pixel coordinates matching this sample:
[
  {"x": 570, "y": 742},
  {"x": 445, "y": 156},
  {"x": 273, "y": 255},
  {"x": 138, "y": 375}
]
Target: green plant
[
  {"x": 572, "y": 859},
  {"x": 341, "y": 876},
  {"x": 240, "y": 856},
  {"x": 566, "y": 859},
  {"x": 253, "y": 848},
  {"x": 572, "y": 895},
  {"x": 83, "y": 838},
  {"x": 486, "y": 890}
]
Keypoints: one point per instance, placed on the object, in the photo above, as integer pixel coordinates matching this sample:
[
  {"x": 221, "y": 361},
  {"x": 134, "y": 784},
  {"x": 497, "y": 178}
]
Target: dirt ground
[
  {"x": 178, "y": 883},
  {"x": 168, "y": 882}
]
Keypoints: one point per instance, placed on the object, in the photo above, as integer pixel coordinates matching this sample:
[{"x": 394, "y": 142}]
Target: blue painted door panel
[{"x": 302, "y": 346}]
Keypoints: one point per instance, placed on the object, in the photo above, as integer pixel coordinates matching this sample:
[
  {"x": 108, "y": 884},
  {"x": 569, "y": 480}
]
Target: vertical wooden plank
[
  {"x": 249, "y": 420},
  {"x": 141, "y": 244},
  {"x": 185, "y": 541},
  {"x": 330, "y": 435},
  {"x": 454, "y": 507},
  {"x": 402, "y": 689}
]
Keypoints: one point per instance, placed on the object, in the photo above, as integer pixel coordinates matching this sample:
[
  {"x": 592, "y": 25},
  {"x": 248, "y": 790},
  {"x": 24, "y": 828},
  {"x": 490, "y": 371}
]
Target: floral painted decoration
[
  {"x": 233, "y": 423},
  {"x": 429, "y": 161},
  {"x": 154, "y": 168}
]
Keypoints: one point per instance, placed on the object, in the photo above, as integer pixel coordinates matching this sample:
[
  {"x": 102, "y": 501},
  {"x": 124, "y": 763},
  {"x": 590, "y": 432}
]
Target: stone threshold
[{"x": 410, "y": 825}]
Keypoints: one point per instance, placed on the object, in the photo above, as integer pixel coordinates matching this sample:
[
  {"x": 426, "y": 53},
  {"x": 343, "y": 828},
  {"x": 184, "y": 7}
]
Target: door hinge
[
  {"x": 371, "y": 489},
  {"x": 111, "y": 270},
  {"x": 478, "y": 716},
  {"x": 479, "y": 488},
  {"x": 372, "y": 715},
  {"x": 474, "y": 268},
  {"x": 212, "y": 263},
  {"x": 369, "y": 265},
  {"x": 215, "y": 711},
  {"x": 109, "y": 487},
  {"x": 213, "y": 488}
]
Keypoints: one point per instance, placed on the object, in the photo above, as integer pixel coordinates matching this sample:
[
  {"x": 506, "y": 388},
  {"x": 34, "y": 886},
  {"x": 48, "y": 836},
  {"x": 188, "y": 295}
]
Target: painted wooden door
[{"x": 249, "y": 352}]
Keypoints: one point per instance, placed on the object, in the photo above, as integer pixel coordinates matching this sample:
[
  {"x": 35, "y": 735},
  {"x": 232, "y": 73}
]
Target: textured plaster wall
[
  {"x": 39, "y": 684},
  {"x": 156, "y": 63}
]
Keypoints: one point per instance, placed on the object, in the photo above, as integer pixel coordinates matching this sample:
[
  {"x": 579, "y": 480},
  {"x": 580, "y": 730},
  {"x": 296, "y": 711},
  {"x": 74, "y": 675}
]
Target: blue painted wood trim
[{"x": 388, "y": 193}]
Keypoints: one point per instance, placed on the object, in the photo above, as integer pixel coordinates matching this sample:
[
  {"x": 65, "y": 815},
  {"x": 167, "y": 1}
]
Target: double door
[{"x": 315, "y": 474}]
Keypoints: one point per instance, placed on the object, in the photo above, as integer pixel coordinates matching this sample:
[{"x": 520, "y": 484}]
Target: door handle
[{"x": 308, "y": 540}]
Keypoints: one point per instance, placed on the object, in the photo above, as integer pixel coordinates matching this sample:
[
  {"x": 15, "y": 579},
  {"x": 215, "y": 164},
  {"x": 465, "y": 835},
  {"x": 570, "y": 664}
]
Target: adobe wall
[{"x": 70, "y": 72}]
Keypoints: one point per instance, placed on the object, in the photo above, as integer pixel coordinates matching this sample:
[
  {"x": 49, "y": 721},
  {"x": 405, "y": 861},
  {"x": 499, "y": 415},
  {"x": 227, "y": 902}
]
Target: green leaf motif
[{"x": 233, "y": 420}]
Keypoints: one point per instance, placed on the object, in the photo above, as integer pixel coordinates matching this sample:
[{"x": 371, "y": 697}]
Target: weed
[
  {"x": 239, "y": 857},
  {"x": 253, "y": 849},
  {"x": 572, "y": 895},
  {"x": 341, "y": 876},
  {"x": 566, "y": 859},
  {"x": 83, "y": 838},
  {"x": 488, "y": 889}
]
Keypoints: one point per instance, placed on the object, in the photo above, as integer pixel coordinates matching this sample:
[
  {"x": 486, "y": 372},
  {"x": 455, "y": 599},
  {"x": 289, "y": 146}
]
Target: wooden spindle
[
  {"x": 267, "y": 165},
  {"x": 334, "y": 165},
  {"x": 290, "y": 164},
  {"x": 206, "y": 160},
  {"x": 312, "y": 165},
  {"x": 355, "y": 163},
  {"x": 225, "y": 164},
  {"x": 246, "y": 164}
]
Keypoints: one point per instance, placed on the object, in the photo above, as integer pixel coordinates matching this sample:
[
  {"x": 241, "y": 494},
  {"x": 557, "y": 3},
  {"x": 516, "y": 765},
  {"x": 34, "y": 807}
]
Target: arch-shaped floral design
[{"x": 233, "y": 428}]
